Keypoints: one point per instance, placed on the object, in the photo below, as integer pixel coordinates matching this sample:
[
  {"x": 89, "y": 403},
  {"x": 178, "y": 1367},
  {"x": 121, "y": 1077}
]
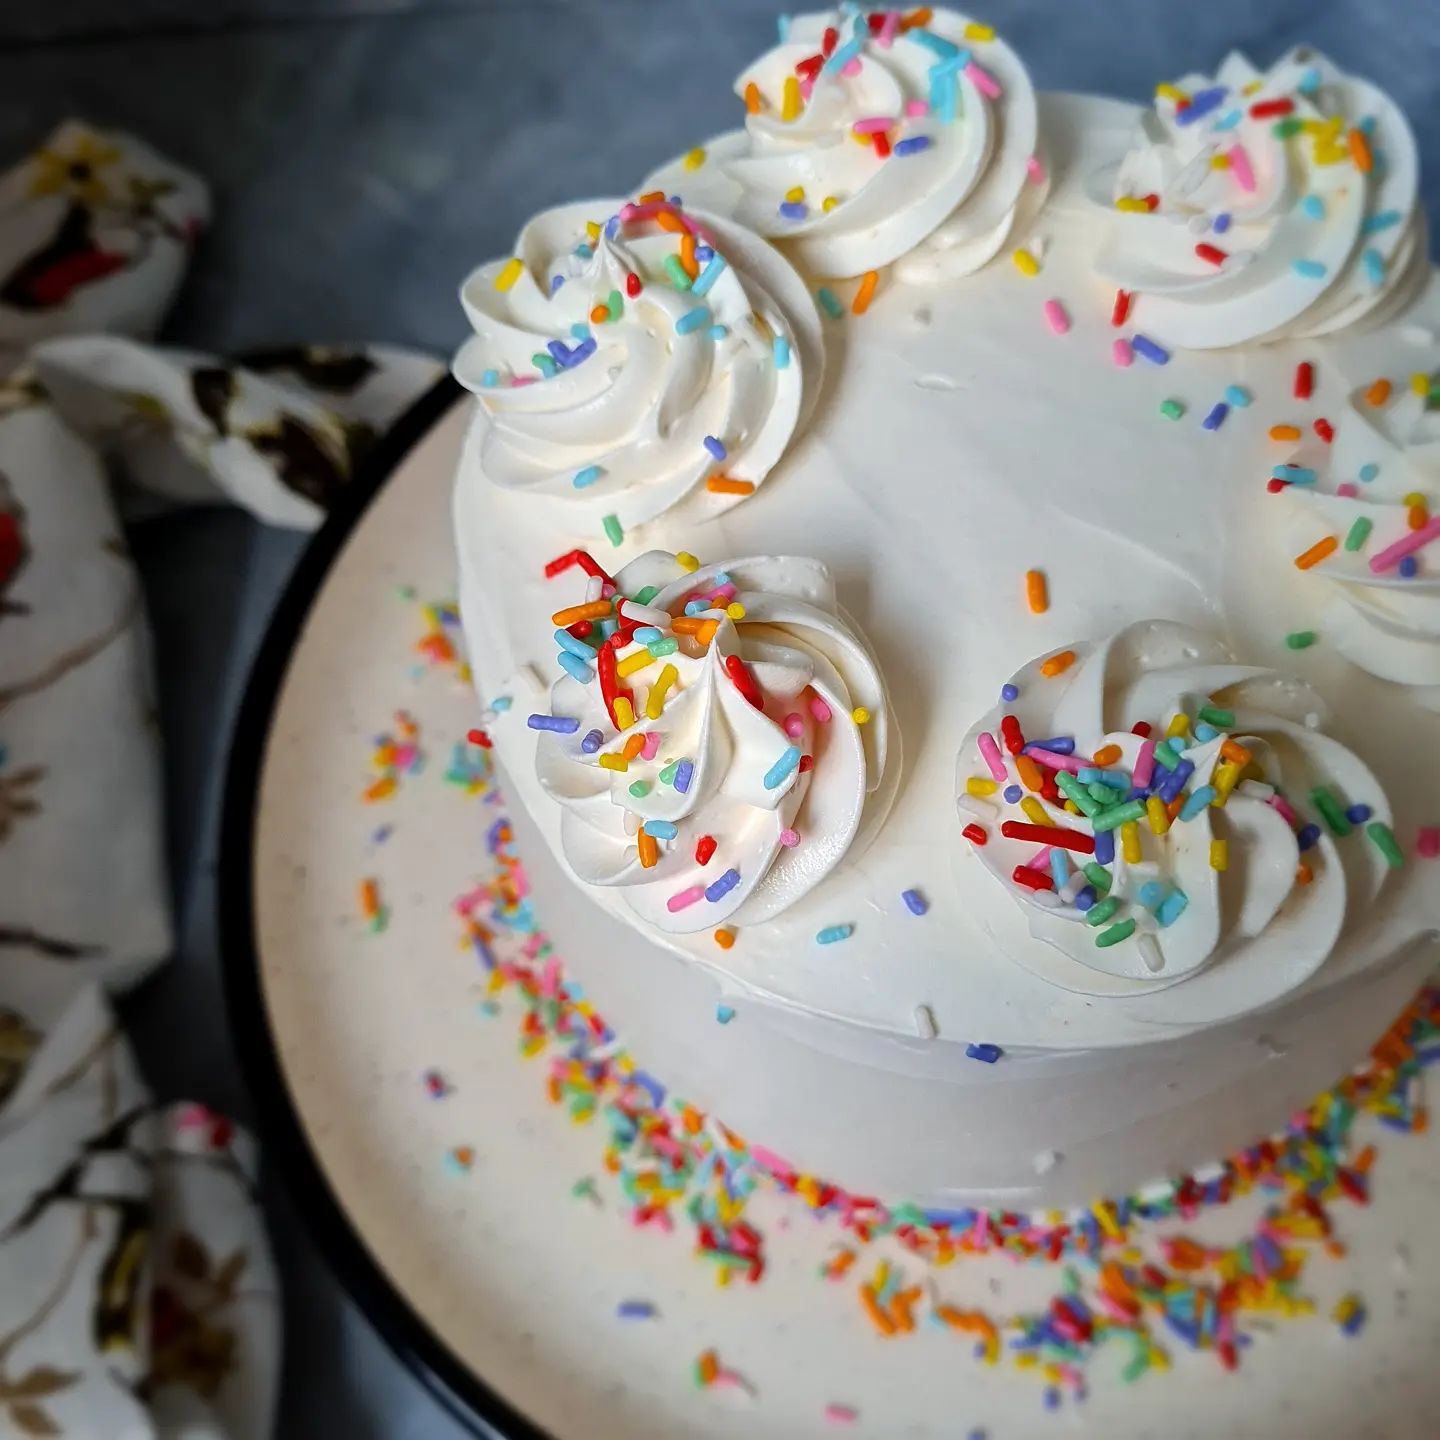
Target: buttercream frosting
[
  {"x": 1257, "y": 205},
  {"x": 870, "y": 139},
  {"x": 1245, "y": 826},
  {"x": 716, "y": 755},
  {"x": 637, "y": 359}
]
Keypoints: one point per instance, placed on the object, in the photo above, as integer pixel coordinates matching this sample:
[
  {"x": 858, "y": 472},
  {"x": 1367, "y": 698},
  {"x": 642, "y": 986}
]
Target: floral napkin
[{"x": 137, "y": 1296}]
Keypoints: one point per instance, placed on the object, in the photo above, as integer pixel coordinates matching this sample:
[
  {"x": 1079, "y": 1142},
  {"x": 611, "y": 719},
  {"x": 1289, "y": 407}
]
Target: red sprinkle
[
  {"x": 881, "y": 141},
  {"x": 1304, "y": 380},
  {"x": 744, "y": 681},
  {"x": 633, "y": 285},
  {"x": 1121, "y": 309},
  {"x": 1152, "y": 202},
  {"x": 1274, "y": 486},
  {"x": 1142, "y": 728},
  {"x": 809, "y": 68},
  {"x": 480, "y": 738},
  {"x": 1057, "y": 835},
  {"x": 704, "y": 849},
  {"x": 1212, "y": 254},
  {"x": 975, "y": 834},
  {"x": 1266, "y": 109},
  {"x": 807, "y": 763},
  {"x": 1010, "y": 733},
  {"x": 828, "y": 42},
  {"x": 1032, "y": 879},
  {"x": 1325, "y": 430},
  {"x": 561, "y": 563}
]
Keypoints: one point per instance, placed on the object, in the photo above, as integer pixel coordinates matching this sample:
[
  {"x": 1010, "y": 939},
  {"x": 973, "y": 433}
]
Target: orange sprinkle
[
  {"x": 1360, "y": 152},
  {"x": 723, "y": 485},
  {"x": 1173, "y": 809},
  {"x": 649, "y": 848},
  {"x": 1029, "y": 773},
  {"x": 866, "y": 293},
  {"x": 1284, "y": 432},
  {"x": 707, "y": 1367},
  {"x": 1317, "y": 552},
  {"x": 687, "y": 255},
  {"x": 753, "y": 101},
  {"x": 1236, "y": 753},
  {"x": 573, "y": 614},
  {"x": 1303, "y": 874},
  {"x": 600, "y": 314},
  {"x": 1417, "y": 517},
  {"x": 724, "y": 938},
  {"x": 882, "y": 1322},
  {"x": 1107, "y": 755},
  {"x": 923, "y": 16},
  {"x": 1058, "y": 664},
  {"x": 1378, "y": 393},
  {"x": 369, "y": 899},
  {"x": 1037, "y": 592},
  {"x": 652, "y": 197},
  {"x": 668, "y": 220},
  {"x": 633, "y": 746},
  {"x": 902, "y": 1307}
]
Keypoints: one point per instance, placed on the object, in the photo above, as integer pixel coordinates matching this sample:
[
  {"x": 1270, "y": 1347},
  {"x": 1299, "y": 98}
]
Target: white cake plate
[{"x": 497, "y": 1284}]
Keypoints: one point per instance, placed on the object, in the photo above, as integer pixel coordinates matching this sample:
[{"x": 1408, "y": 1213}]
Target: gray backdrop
[{"x": 364, "y": 156}]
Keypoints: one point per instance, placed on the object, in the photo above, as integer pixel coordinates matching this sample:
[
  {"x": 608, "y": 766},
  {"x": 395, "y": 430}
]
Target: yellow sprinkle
[
  {"x": 829, "y": 203},
  {"x": 1132, "y": 205},
  {"x": 1071, "y": 807},
  {"x": 631, "y": 663},
  {"x": 509, "y": 273},
  {"x": 624, "y": 711},
  {"x": 1420, "y": 383},
  {"x": 655, "y": 702},
  {"x": 795, "y": 194},
  {"x": 618, "y": 763},
  {"x": 860, "y": 715},
  {"x": 1036, "y": 812},
  {"x": 1220, "y": 855},
  {"x": 592, "y": 231},
  {"x": 1170, "y": 92},
  {"x": 1225, "y": 779},
  {"x": 735, "y": 610},
  {"x": 1026, "y": 263},
  {"x": 1179, "y": 725},
  {"x": 1414, "y": 498},
  {"x": 696, "y": 158},
  {"x": 1130, "y": 842},
  {"x": 976, "y": 31},
  {"x": 1219, "y": 162},
  {"x": 687, "y": 562},
  {"x": 1157, "y": 815},
  {"x": 790, "y": 100},
  {"x": 980, "y": 785}
]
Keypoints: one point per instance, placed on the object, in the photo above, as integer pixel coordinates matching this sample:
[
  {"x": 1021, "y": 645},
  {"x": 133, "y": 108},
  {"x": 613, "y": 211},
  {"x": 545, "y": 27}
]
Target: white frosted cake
[{"x": 951, "y": 577}]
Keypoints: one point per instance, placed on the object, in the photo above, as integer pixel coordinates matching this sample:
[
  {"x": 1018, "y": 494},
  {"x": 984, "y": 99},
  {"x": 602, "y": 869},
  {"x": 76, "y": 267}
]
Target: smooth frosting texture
[
  {"x": 1374, "y": 490},
  {"x": 725, "y": 744},
  {"x": 1259, "y": 205},
  {"x": 1231, "y": 755},
  {"x": 605, "y": 381},
  {"x": 869, "y": 140}
]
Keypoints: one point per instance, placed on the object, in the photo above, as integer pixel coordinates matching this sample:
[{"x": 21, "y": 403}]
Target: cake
[{"x": 946, "y": 574}]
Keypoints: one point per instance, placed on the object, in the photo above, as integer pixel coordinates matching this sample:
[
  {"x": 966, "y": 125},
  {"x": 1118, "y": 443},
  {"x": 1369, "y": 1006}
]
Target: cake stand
[{"x": 442, "y": 1184}]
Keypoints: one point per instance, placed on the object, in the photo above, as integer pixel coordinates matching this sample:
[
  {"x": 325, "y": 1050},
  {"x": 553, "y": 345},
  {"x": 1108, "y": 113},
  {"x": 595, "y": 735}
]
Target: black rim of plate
[{"x": 286, "y": 1146}]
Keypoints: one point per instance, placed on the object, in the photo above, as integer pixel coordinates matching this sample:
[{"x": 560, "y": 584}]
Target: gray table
[{"x": 365, "y": 155}]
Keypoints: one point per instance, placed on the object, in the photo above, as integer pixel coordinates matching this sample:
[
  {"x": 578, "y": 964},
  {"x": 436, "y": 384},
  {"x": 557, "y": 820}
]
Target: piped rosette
[
  {"x": 1363, "y": 516},
  {"x": 877, "y": 136},
  {"x": 719, "y": 740},
  {"x": 635, "y": 358},
  {"x": 1155, "y": 808},
  {"x": 1262, "y": 205}
]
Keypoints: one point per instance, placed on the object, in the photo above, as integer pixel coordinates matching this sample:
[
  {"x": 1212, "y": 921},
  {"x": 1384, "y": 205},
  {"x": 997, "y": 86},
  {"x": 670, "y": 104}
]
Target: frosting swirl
[
  {"x": 1132, "y": 884},
  {"x": 717, "y": 755},
  {"x": 1365, "y": 504},
  {"x": 631, "y": 365},
  {"x": 867, "y": 136},
  {"x": 1267, "y": 205}
]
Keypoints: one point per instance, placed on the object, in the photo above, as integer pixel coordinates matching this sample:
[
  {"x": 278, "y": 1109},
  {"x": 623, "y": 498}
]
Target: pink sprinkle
[
  {"x": 520, "y": 381},
  {"x": 789, "y": 838},
  {"x": 1035, "y": 169},
  {"x": 724, "y": 592},
  {"x": 888, "y": 29},
  {"x": 872, "y": 124},
  {"x": 1122, "y": 354},
  {"x": 685, "y": 898},
  {"x": 1348, "y": 490},
  {"x": 838, "y": 1414},
  {"x": 1240, "y": 168},
  {"x": 650, "y": 744},
  {"x": 916, "y": 108},
  {"x": 982, "y": 80},
  {"x": 851, "y": 67},
  {"x": 1281, "y": 804},
  {"x": 1144, "y": 765},
  {"x": 794, "y": 725},
  {"x": 1405, "y": 545},
  {"x": 819, "y": 709},
  {"x": 806, "y": 87},
  {"x": 1040, "y": 860},
  {"x": 1057, "y": 317},
  {"x": 1427, "y": 842},
  {"x": 990, "y": 753},
  {"x": 1054, "y": 760},
  {"x": 768, "y": 1160}
]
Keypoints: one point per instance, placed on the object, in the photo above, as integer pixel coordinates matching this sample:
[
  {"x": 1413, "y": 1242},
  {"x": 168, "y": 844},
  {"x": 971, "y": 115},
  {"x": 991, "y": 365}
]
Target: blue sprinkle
[
  {"x": 724, "y": 1013},
  {"x": 1085, "y": 899},
  {"x": 577, "y": 669},
  {"x": 1294, "y": 474},
  {"x": 490, "y": 379},
  {"x": 556, "y": 281},
  {"x": 662, "y": 829},
  {"x": 1012, "y": 794},
  {"x": 501, "y": 703},
  {"x": 1147, "y": 349},
  {"x": 1408, "y": 568},
  {"x": 1369, "y": 472},
  {"x": 1009, "y": 693},
  {"x": 1314, "y": 207},
  {"x": 703, "y": 253},
  {"x": 1105, "y": 847},
  {"x": 984, "y": 1052},
  {"x": 1172, "y": 909},
  {"x": 780, "y": 771},
  {"x": 1307, "y": 837},
  {"x": 1152, "y": 892},
  {"x": 1237, "y": 396},
  {"x": 650, "y": 1085},
  {"x": 915, "y": 902},
  {"x": 794, "y": 209},
  {"x": 782, "y": 24},
  {"x": 566, "y": 641},
  {"x": 684, "y": 773},
  {"x": 1382, "y": 221},
  {"x": 1174, "y": 782},
  {"x": 841, "y": 57},
  {"x": 1358, "y": 814},
  {"x": 913, "y": 145},
  {"x": 781, "y": 350},
  {"x": 560, "y": 724},
  {"x": 588, "y": 476},
  {"x": 1309, "y": 82},
  {"x": 719, "y": 889},
  {"x": 1229, "y": 120},
  {"x": 1221, "y": 223},
  {"x": 831, "y": 933},
  {"x": 693, "y": 320},
  {"x": 592, "y": 742},
  {"x": 635, "y": 1310},
  {"x": 717, "y": 332},
  {"x": 579, "y": 331},
  {"x": 1201, "y": 104},
  {"x": 1060, "y": 744},
  {"x": 937, "y": 44},
  {"x": 709, "y": 275},
  {"x": 1216, "y": 418},
  {"x": 1309, "y": 269},
  {"x": 716, "y": 449},
  {"x": 1374, "y": 263}
]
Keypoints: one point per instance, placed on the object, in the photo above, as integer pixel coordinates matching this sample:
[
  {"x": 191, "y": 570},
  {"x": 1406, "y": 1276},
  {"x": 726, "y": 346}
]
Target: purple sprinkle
[
  {"x": 1105, "y": 847},
  {"x": 382, "y": 834},
  {"x": 913, "y": 145},
  {"x": 1216, "y": 418},
  {"x": 716, "y": 449},
  {"x": 915, "y": 902},
  {"x": 592, "y": 742},
  {"x": 793, "y": 209},
  {"x": 1201, "y": 104},
  {"x": 560, "y": 350},
  {"x": 556, "y": 281},
  {"x": 1086, "y": 898},
  {"x": 560, "y": 724},
  {"x": 720, "y": 888},
  {"x": 1147, "y": 349},
  {"x": 704, "y": 253},
  {"x": 1060, "y": 744},
  {"x": 684, "y": 773},
  {"x": 1009, "y": 693},
  {"x": 1013, "y": 794},
  {"x": 635, "y": 1310},
  {"x": 1221, "y": 223}
]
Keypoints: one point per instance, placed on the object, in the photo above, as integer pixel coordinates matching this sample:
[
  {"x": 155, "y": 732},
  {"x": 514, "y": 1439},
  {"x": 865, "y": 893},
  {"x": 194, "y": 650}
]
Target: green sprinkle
[
  {"x": 1166, "y": 754},
  {"x": 1101, "y": 911},
  {"x": 676, "y": 271},
  {"x": 1098, "y": 876},
  {"x": 667, "y": 775},
  {"x": 645, "y": 596},
  {"x": 1385, "y": 842},
  {"x": 640, "y": 789},
  {"x": 545, "y": 364},
  {"x": 615, "y": 305},
  {"x": 1078, "y": 793},
  {"x": 1213, "y": 715},
  {"x": 1115, "y": 934},
  {"x": 1171, "y": 409},
  {"x": 613, "y": 532},
  {"x": 829, "y": 304},
  {"x": 1330, "y": 811},
  {"x": 1117, "y": 815},
  {"x": 1300, "y": 639},
  {"x": 668, "y": 646},
  {"x": 1284, "y": 129},
  {"x": 1359, "y": 533}
]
